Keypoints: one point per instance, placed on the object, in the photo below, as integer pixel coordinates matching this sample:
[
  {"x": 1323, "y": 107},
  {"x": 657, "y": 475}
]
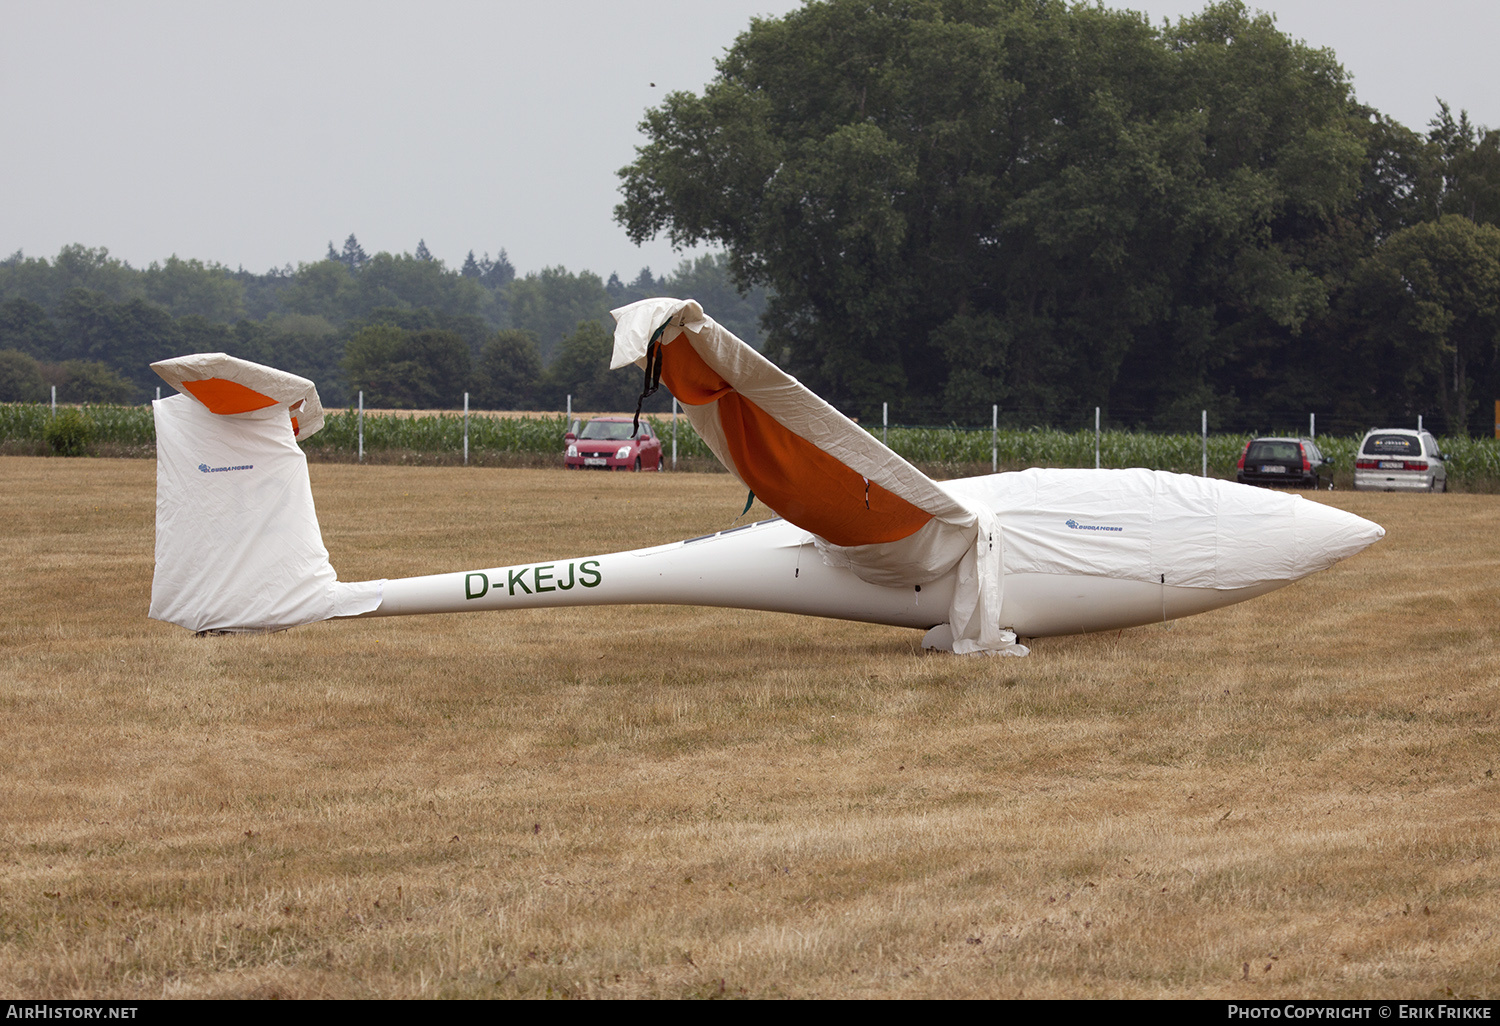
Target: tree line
[
  {"x": 404, "y": 328},
  {"x": 936, "y": 204},
  {"x": 1053, "y": 206}
]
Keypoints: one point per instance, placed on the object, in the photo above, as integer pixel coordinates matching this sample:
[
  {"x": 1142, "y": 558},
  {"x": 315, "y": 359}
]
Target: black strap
[{"x": 653, "y": 375}]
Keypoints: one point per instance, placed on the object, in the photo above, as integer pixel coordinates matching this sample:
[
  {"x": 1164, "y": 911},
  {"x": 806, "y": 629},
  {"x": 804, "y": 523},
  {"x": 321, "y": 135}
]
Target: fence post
[
  {"x": 466, "y": 429},
  {"x": 361, "y": 425},
  {"x": 1312, "y": 426},
  {"x": 1205, "y": 443},
  {"x": 158, "y": 393},
  {"x": 885, "y": 423},
  {"x": 995, "y": 439},
  {"x": 674, "y": 432},
  {"x": 54, "y": 403},
  {"x": 1096, "y": 438},
  {"x": 54, "y": 400},
  {"x": 569, "y": 417}
]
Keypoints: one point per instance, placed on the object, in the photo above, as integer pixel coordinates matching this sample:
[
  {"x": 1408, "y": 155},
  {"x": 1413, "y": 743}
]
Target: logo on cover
[
  {"x": 1075, "y": 525},
  {"x": 205, "y": 468}
]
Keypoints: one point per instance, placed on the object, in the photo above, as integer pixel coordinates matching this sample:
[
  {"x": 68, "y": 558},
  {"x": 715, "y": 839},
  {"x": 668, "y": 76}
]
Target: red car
[{"x": 606, "y": 443}]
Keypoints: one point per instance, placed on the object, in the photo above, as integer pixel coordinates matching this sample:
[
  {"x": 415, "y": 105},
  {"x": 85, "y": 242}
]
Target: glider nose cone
[{"x": 1326, "y": 535}]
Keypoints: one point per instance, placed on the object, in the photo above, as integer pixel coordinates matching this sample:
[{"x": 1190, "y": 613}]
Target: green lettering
[
  {"x": 584, "y": 573},
  {"x": 518, "y": 577},
  {"x": 569, "y": 585},
  {"x": 539, "y": 578},
  {"x": 484, "y": 585}
]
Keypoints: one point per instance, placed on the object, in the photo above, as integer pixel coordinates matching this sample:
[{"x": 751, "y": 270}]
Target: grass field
[{"x": 1294, "y": 797}]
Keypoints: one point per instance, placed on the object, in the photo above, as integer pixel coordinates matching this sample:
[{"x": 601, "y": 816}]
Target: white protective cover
[
  {"x": 291, "y": 391},
  {"x": 238, "y": 546},
  {"x": 1161, "y": 528},
  {"x": 961, "y": 534}
]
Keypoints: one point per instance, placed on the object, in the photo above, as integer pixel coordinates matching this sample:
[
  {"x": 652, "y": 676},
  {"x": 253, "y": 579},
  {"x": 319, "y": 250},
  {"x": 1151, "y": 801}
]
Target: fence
[{"x": 354, "y": 434}]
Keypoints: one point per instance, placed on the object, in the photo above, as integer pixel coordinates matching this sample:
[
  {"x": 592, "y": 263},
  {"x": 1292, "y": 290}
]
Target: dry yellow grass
[{"x": 1291, "y": 797}]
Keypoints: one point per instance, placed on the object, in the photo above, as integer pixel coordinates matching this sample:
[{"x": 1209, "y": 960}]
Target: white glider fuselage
[
  {"x": 977, "y": 561},
  {"x": 776, "y": 567}
]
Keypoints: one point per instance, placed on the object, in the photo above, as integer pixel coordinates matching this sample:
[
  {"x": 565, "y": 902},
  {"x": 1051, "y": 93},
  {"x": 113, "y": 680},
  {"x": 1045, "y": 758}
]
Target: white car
[{"x": 1399, "y": 460}]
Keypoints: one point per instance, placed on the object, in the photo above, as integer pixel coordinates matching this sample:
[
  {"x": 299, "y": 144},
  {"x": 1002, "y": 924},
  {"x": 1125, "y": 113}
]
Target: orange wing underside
[
  {"x": 787, "y": 472},
  {"x": 225, "y": 397}
]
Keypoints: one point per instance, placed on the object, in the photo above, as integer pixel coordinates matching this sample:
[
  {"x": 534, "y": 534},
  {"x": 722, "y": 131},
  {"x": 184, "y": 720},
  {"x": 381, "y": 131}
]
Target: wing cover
[{"x": 869, "y": 509}]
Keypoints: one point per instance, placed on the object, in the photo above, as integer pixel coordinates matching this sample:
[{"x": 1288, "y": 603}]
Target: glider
[{"x": 861, "y": 534}]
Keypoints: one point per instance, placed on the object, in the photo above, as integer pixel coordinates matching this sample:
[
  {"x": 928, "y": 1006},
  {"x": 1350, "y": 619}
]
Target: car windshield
[
  {"x": 1392, "y": 445},
  {"x": 607, "y": 430},
  {"x": 1285, "y": 451}
]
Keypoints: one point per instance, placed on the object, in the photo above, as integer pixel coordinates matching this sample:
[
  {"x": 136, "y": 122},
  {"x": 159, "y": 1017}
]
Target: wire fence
[{"x": 1474, "y": 463}]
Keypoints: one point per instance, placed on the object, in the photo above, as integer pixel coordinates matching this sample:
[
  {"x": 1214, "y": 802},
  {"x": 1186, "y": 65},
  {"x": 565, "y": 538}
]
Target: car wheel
[{"x": 637, "y": 465}]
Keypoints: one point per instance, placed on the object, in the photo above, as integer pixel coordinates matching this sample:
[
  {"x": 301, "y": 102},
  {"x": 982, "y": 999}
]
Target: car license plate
[
  {"x": 1391, "y": 465},
  {"x": 1273, "y": 469},
  {"x": 593, "y": 461}
]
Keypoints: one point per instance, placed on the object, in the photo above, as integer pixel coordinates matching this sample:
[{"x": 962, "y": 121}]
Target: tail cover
[{"x": 238, "y": 546}]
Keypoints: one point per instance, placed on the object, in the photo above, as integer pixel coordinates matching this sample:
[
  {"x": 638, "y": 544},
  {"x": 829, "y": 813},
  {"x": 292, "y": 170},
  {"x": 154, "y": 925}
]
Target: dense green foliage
[
  {"x": 70, "y": 432},
  {"x": 86, "y": 307},
  {"x": 963, "y": 202},
  {"x": 24, "y": 379}
]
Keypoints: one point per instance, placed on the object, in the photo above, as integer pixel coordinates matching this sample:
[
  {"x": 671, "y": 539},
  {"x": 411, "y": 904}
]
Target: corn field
[
  {"x": 1474, "y": 463},
  {"x": 118, "y": 425}
]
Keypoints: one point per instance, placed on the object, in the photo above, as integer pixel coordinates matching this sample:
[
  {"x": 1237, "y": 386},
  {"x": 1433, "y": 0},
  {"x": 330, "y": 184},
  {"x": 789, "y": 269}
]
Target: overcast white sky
[{"x": 253, "y": 134}]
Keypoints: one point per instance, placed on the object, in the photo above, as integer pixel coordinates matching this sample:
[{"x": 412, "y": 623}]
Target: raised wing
[{"x": 868, "y": 508}]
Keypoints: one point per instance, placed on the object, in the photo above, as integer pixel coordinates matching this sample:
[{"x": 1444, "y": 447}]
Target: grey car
[{"x": 1400, "y": 460}]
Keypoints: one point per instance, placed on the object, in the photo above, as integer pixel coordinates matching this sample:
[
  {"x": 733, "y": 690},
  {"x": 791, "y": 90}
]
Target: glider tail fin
[{"x": 238, "y": 547}]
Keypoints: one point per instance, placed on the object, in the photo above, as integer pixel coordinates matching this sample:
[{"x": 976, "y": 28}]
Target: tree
[
  {"x": 191, "y": 287},
  {"x": 367, "y": 355},
  {"x": 509, "y": 375},
  {"x": 550, "y": 303},
  {"x": 127, "y": 337},
  {"x": 89, "y": 381},
  {"x": 422, "y": 251},
  {"x": 78, "y": 266},
  {"x": 1469, "y": 160},
  {"x": 410, "y": 282},
  {"x": 582, "y": 370},
  {"x": 74, "y": 266},
  {"x": 707, "y": 279},
  {"x": 353, "y": 256},
  {"x": 422, "y": 318},
  {"x": 25, "y": 326},
  {"x": 324, "y": 289},
  {"x": 471, "y": 268},
  {"x": 21, "y": 378},
  {"x": 408, "y": 369},
  {"x": 497, "y": 273},
  {"x": 913, "y": 179},
  {"x": 1428, "y": 306}
]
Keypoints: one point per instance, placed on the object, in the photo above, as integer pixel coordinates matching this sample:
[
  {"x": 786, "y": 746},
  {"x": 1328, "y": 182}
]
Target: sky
[{"x": 255, "y": 134}]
